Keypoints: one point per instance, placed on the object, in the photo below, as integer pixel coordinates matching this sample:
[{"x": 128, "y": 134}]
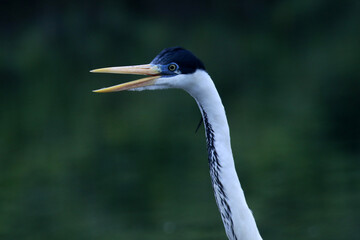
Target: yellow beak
[{"x": 146, "y": 69}]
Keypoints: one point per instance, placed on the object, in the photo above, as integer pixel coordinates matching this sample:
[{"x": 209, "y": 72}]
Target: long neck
[{"x": 238, "y": 220}]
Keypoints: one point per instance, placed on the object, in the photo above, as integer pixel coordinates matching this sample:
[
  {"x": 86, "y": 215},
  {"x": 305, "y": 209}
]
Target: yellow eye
[{"x": 172, "y": 67}]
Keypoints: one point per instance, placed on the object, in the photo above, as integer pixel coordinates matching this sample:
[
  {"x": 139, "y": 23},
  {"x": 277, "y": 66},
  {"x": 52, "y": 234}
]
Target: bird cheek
[{"x": 164, "y": 82}]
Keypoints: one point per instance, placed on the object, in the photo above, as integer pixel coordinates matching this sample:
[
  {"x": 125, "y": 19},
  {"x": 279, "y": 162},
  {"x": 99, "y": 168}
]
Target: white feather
[{"x": 201, "y": 87}]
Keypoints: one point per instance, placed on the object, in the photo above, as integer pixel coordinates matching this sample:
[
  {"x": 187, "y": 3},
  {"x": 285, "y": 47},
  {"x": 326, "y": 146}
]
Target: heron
[{"x": 178, "y": 68}]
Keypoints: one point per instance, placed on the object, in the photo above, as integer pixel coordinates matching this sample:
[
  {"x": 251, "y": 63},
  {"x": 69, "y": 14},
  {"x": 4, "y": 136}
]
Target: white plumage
[{"x": 188, "y": 73}]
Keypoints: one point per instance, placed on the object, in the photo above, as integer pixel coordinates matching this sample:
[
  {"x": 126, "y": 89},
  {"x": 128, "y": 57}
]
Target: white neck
[{"x": 238, "y": 220}]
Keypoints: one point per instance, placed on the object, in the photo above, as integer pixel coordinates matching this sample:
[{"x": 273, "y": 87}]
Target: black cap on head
[{"x": 186, "y": 61}]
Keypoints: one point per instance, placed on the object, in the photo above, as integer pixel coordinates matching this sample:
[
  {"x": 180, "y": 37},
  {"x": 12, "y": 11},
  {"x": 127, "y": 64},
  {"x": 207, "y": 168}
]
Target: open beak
[{"x": 147, "y": 69}]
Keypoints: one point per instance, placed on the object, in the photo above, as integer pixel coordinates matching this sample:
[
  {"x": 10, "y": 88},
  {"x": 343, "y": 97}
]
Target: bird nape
[{"x": 178, "y": 68}]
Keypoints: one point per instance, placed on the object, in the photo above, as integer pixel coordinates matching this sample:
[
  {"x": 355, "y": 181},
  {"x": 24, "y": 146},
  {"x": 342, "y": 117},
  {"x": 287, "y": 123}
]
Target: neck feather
[{"x": 238, "y": 220}]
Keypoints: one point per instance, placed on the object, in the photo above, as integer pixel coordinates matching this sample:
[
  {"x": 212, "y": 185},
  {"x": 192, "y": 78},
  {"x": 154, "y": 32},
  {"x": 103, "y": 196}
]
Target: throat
[
  {"x": 237, "y": 218},
  {"x": 215, "y": 173}
]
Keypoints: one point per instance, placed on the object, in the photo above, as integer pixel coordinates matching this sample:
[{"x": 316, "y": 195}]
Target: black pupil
[{"x": 172, "y": 67}]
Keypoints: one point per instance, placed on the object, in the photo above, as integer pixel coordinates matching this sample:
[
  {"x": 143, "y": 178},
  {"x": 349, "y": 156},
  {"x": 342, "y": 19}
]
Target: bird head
[{"x": 171, "y": 68}]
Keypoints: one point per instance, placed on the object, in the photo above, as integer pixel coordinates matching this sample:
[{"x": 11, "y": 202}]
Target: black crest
[{"x": 186, "y": 61}]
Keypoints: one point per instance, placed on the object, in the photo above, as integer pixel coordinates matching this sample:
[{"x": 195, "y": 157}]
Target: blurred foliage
[{"x": 78, "y": 165}]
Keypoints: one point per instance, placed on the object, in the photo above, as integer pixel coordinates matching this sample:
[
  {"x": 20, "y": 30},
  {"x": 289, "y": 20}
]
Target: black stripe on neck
[{"x": 215, "y": 171}]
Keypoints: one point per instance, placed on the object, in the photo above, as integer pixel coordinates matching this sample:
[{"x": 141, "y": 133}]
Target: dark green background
[{"x": 79, "y": 165}]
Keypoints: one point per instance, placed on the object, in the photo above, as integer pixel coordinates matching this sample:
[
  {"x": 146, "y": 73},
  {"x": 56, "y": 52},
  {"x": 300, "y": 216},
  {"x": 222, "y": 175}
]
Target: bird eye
[{"x": 172, "y": 67}]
